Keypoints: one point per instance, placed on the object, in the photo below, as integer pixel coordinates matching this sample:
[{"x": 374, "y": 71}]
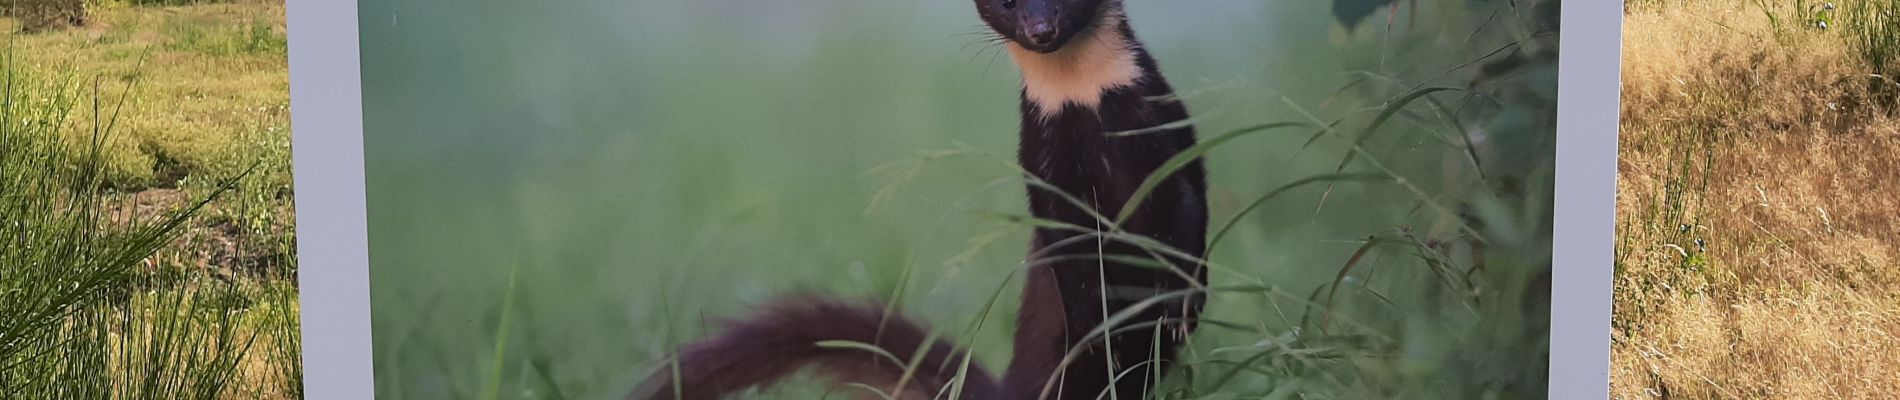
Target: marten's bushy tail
[{"x": 784, "y": 337}]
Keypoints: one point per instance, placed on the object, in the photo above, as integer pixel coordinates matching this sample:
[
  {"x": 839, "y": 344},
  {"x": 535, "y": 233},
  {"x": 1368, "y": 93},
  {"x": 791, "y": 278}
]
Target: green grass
[
  {"x": 81, "y": 318},
  {"x": 211, "y": 101},
  {"x": 554, "y": 205},
  {"x": 140, "y": 115},
  {"x": 213, "y": 86},
  {"x": 1873, "y": 31}
]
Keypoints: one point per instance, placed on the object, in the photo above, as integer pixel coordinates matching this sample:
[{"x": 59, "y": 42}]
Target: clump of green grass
[
  {"x": 206, "y": 129},
  {"x": 84, "y": 313},
  {"x": 1873, "y": 30},
  {"x": 253, "y": 37},
  {"x": 286, "y": 329}
]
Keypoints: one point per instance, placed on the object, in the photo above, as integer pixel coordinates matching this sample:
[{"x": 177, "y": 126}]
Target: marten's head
[
  {"x": 1070, "y": 51},
  {"x": 1042, "y": 26}
]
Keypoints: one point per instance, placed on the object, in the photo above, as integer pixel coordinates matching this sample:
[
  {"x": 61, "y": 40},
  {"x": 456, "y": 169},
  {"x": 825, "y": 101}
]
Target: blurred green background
[{"x": 559, "y": 193}]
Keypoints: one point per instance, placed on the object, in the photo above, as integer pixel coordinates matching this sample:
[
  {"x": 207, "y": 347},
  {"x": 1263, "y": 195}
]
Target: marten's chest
[{"x": 1101, "y": 155}]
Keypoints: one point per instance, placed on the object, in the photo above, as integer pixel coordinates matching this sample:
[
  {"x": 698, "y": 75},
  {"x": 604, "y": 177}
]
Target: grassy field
[
  {"x": 191, "y": 103},
  {"x": 559, "y": 194},
  {"x": 1758, "y": 252}
]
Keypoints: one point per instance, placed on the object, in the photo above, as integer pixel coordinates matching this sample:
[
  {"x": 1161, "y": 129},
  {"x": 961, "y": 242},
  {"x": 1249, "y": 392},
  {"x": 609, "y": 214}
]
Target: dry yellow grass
[{"x": 1758, "y": 196}]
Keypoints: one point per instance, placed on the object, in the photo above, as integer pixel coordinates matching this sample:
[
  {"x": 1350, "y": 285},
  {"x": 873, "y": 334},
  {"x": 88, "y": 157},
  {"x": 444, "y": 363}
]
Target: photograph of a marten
[
  {"x": 745, "y": 199},
  {"x": 1085, "y": 78}
]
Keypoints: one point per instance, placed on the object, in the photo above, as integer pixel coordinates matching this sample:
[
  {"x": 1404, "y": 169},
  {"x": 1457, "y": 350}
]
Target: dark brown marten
[{"x": 1087, "y": 83}]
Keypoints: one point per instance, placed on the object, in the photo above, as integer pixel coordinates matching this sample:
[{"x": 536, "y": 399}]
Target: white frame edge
[
  {"x": 1583, "y": 248},
  {"x": 326, "y": 108}
]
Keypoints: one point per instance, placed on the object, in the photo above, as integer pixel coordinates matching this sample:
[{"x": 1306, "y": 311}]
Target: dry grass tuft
[{"x": 1756, "y": 211}]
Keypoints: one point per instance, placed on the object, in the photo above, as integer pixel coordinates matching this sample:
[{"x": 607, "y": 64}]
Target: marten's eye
[{"x": 1009, "y": 3}]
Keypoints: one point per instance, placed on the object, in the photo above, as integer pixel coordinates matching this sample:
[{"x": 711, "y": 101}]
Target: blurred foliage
[
  {"x": 1457, "y": 102},
  {"x": 1351, "y": 12}
]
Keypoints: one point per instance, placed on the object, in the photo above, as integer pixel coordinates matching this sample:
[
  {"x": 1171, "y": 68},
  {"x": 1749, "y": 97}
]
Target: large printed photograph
[{"x": 960, "y": 199}]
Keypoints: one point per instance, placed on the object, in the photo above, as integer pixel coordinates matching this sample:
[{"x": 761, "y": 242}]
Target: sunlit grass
[
  {"x": 1756, "y": 247},
  {"x": 139, "y": 118},
  {"x": 81, "y": 317},
  {"x": 213, "y": 80}
]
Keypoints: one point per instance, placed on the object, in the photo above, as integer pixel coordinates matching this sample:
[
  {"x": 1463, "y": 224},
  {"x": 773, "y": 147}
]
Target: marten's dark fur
[
  {"x": 782, "y": 338},
  {"x": 1088, "y": 85}
]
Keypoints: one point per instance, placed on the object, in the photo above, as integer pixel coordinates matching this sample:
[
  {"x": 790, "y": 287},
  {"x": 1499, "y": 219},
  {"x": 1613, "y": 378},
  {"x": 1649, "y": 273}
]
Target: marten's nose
[{"x": 1040, "y": 33}]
